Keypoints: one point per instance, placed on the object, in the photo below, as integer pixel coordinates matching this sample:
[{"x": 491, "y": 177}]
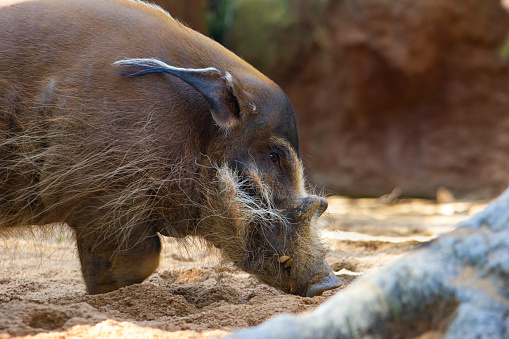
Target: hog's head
[{"x": 255, "y": 207}]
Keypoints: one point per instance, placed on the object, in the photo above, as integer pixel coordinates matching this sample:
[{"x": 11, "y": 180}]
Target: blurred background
[{"x": 405, "y": 94}]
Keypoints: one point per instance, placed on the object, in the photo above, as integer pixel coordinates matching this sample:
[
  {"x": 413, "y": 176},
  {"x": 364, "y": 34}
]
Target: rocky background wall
[{"x": 408, "y": 94}]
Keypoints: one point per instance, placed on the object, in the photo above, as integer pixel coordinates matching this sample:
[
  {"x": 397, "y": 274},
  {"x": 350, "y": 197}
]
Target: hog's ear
[{"x": 215, "y": 88}]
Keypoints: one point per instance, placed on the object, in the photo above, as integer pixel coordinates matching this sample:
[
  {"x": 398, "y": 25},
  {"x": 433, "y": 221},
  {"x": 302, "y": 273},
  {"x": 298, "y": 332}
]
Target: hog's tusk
[
  {"x": 283, "y": 259},
  {"x": 286, "y": 260}
]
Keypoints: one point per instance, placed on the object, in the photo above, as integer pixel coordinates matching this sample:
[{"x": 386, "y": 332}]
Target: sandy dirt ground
[{"x": 193, "y": 294}]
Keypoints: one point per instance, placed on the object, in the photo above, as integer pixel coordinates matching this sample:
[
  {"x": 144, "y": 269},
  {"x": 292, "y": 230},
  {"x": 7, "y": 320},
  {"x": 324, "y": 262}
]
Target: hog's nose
[{"x": 328, "y": 282}]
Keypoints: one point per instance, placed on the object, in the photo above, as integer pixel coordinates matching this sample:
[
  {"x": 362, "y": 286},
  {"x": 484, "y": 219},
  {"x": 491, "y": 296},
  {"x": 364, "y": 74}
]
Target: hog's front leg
[{"x": 108, "y": 266}]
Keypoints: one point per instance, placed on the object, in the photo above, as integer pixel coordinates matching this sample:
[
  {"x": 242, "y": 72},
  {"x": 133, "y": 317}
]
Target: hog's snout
[
  {"x": 327, "y": 282},
  {"x": 314, "y": 278}
]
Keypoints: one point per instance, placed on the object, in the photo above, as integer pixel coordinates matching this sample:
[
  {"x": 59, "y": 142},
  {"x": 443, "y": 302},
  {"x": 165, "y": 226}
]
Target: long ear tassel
[{"x": 215, "y": 88}]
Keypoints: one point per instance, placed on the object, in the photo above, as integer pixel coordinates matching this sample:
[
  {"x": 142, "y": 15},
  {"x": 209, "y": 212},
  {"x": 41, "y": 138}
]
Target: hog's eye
[{"x": 274, "y": 157}]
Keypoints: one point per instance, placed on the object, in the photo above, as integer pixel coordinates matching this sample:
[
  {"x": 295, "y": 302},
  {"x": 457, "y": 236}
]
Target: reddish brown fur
[{"x": 121, "y": 160}]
